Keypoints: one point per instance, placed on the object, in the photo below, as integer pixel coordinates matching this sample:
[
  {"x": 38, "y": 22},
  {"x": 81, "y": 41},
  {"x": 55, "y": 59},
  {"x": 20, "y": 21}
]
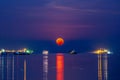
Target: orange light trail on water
[
  {"x": 99, "y": 67},
  {"x": 60, "y": 67}
]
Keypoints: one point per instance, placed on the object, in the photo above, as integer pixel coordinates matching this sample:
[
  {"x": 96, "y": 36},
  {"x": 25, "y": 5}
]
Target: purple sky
[{"x": 49, "y": 19}]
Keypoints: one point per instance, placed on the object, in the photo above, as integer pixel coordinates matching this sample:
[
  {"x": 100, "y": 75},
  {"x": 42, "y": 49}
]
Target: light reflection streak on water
[
  {"x": 17, "y": 63},
  {"x": 25, "y": 78},
  {"x": 6, "y": 67},
  {"x": 2, "y": 68},
  {"x": 60, "y": 66},
  {"x": 45, "y": 67},
  {"x": 105, "y": 66},
  {"x": 9, "y": 67},
  {"x": 13, "y": 68},
  {"x": 99, "y": 67}
]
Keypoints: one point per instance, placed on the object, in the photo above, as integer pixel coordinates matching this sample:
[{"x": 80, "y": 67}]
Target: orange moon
[{"x": 59, "y": 41}]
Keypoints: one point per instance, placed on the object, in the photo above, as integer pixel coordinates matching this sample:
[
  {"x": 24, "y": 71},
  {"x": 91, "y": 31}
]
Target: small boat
[{"x": 72, "y": 52}]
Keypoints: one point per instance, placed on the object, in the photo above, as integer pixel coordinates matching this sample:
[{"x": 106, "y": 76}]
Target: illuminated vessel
[{"x": 16, "y": 52}]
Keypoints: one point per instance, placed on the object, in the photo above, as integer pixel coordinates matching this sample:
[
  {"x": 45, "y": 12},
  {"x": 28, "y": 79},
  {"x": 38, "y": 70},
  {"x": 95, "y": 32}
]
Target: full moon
[{"x": 59, "y": 41}]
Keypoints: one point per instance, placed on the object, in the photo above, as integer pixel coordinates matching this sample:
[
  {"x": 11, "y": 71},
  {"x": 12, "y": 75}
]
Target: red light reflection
[{"x": 60, "y": 66}]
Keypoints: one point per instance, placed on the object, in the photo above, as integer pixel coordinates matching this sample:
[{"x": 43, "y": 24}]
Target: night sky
[{"x": 84, "y": 24}]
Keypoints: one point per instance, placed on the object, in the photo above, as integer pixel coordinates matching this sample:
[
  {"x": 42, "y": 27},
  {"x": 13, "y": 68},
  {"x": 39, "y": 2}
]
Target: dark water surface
[{"x": 58, "y": 67}]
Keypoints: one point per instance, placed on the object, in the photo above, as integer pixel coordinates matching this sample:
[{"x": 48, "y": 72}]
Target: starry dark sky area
[{"x": 84, "y": 24}]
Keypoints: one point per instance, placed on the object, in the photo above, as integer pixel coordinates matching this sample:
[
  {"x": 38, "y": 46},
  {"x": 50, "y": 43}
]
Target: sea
[{"x": 60, "y": 66}]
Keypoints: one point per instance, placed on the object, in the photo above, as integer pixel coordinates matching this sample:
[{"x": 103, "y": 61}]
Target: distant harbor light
[
  {"x": 45, "y": 52},
  {"x": 102, "y": 51}
]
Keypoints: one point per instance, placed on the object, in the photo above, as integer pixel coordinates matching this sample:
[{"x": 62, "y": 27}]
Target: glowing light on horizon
[
  {"x": 102, "y": 51},
  {"x": 60, "y": 67},
  {"x": 45, "y": 52},
  {"x": 2, "y": 50},
  {"x": 59, "y": 41}
]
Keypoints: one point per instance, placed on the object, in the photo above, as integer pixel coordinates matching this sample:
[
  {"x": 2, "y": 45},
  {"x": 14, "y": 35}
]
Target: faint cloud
[{"x": 54, "y": 19}]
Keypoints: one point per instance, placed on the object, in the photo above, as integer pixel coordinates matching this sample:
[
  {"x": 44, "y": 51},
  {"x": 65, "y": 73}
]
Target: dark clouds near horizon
[{"x": 49, "y": 19}]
